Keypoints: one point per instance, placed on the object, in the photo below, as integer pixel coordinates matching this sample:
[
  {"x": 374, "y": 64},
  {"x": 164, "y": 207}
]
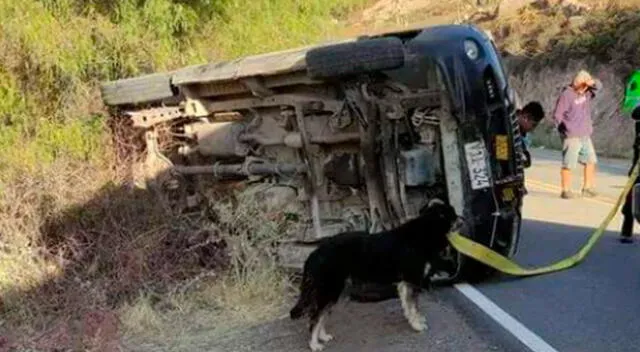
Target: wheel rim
[{"x": 454, "y": 275}]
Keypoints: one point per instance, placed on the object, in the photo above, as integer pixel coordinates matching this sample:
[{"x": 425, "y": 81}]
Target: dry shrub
[
  {"x": 252, "y": 289},
  {"x": 77, "y": 243},
  {"x": 253, "y": 234},
  {"x": 533, "y": 27}
]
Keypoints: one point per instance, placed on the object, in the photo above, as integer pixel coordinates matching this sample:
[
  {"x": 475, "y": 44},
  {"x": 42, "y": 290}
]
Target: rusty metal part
[
  {"x": 387, "y": 114},
  {"x": 244, "y": 169},
  {"x": 390, "y": 168},
  {"x": 341, "y": 119},
  {"x": 417, "y": 166},
  {"x": 257, "y": 86},
  {"x": 272, "y": 101},
  {"x": 294, "y": 139},
  {"x": 283, "y": 119},
  {"x": 314, "y": 181},
  {"x": 368, "y": 124},
  {"x": 218, "y": 138},
  {"x": 343, "y": 169},
  {"x": 154, "y": 170},
  {"x": 194, "y": 107},
  {"x": 222, "y": 88},
  {"x": 149, "y": 117}
]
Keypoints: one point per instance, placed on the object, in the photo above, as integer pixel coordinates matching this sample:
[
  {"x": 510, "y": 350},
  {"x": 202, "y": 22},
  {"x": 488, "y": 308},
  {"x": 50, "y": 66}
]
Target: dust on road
[{"x": 377, "y": 326}]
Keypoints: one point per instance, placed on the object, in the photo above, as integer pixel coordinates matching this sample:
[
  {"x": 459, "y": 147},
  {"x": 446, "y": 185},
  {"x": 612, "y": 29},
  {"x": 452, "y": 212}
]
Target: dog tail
[
  {"x": 298, "y": 310},
  {"x": 306, "y": 243},
  {"x": 301, "y": 306}
]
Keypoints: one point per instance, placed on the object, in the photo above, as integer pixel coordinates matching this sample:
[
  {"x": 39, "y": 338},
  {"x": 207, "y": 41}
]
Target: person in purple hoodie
[{"x": 572, "y": 117}]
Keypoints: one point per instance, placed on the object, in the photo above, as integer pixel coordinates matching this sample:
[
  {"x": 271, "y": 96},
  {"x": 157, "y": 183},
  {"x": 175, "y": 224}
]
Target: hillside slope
[
  {"x": 544, "y": 42},
  {"x": 78, "y": 246}
]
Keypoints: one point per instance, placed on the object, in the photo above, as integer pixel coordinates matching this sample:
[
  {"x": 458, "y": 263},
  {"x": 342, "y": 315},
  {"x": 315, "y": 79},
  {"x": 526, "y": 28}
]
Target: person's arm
[
  {"x": 518, "y": 101},
  {"x": 560, "y": 112},
  {"x": 527, "y": 157},
  {"x": 597, "y": 88}
]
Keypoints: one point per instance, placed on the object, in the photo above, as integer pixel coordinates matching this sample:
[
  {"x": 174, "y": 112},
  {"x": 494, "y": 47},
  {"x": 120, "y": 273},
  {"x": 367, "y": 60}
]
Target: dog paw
[
  {"x": 316, "y": 346},
  {"x": 419, "y": 324},
  {"x": 325, "y": 337}
]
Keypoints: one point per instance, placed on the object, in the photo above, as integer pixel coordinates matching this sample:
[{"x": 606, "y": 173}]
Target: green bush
[{"x": 55, "y": 52}]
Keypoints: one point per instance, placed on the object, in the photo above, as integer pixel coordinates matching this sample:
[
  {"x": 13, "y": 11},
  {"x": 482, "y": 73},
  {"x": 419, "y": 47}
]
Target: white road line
[{"x": 526, "y": 336}]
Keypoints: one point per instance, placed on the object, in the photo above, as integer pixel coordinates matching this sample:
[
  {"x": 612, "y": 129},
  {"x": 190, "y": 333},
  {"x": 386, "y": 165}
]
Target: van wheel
[
  {"x": 350, "y": 59},
  {"x": 474, "y": 271},
  {"x": 463, "y": 268}
]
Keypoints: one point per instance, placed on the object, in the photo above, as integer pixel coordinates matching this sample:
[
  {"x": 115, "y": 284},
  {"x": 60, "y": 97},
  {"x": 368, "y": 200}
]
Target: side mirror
[{"x": 635, "y": 202}]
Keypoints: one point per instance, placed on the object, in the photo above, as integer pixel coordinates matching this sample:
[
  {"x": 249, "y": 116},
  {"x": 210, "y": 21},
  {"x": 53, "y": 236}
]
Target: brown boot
[
  {"x": 589, "y": 175},
  {"x": 565, "y": 182},
  {"x": 589, "y": 192}
]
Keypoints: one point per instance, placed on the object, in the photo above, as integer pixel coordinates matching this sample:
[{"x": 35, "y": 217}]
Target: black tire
[
  {"x": 355, "y": 58},
  {"x": 144, "y": 89},
  {"x": 474, "y": 272}
]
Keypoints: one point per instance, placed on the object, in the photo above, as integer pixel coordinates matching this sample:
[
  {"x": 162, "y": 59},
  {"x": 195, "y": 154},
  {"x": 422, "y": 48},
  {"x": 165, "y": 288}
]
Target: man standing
[
  {"x": 573, "y": 121},
  {"x": 631, "y": 106},
  {"x": 528, "y": 119},
  {"x": 628, "y": 219}
]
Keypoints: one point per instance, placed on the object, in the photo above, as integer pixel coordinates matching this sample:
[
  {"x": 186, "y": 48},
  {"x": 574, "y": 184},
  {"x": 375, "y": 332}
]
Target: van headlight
[{"x": 471, "y": 49}]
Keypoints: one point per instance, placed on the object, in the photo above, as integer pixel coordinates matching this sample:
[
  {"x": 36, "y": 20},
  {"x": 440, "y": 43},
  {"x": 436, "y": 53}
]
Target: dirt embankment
[{"x": 544, "y": 42}]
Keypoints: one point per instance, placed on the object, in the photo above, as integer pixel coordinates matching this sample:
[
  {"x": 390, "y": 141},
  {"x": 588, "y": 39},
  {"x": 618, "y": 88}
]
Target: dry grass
[
  {"x": 78, "y": 245},
  {"x": 82, "y": 247},
  {"x": 251, "y": 290},
  {"x": 76, "y": 248}
]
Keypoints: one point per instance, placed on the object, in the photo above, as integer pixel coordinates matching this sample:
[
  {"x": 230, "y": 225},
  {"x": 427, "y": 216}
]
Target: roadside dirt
[{"x": 358, "y": 327}]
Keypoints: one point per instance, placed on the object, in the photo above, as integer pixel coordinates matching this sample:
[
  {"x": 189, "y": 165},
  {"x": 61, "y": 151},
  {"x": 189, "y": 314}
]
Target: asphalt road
[{"x": 591, "y": 307}]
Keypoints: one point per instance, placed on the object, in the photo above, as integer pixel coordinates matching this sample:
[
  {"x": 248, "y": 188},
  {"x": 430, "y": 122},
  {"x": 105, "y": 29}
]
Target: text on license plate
[{"x": 477, "y": 165}]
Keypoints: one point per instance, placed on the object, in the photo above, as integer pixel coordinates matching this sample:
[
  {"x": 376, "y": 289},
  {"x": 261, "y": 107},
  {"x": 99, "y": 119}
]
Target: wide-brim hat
[{"x": 583, "y": 77}]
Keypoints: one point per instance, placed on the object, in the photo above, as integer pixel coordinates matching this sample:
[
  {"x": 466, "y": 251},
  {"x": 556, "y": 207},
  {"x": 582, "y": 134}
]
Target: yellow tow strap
[{"x": 501, "y": 263}]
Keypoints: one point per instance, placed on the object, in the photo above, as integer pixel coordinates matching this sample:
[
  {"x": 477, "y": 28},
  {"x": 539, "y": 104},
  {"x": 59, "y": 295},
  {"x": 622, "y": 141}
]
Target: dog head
[{"x": 441, "y": 217}]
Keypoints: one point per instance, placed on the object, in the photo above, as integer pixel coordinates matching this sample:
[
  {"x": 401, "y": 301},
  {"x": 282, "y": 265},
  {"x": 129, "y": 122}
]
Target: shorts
[{"x": 578, "y": 149}]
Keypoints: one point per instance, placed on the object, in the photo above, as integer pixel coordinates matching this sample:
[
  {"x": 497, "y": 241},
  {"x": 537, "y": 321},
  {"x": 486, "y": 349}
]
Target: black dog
[{"x": 399, "y": 256}]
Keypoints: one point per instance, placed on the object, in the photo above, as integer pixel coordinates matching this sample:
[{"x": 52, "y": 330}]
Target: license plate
[{"x": 477, "y": 165}]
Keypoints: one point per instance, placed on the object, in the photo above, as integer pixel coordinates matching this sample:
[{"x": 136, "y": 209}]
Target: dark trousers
[{"x": 627, "y": 222}]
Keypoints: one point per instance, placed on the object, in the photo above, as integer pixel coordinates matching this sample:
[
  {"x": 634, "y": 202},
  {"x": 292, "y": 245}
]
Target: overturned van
[{"x": 359, "y": 134}]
